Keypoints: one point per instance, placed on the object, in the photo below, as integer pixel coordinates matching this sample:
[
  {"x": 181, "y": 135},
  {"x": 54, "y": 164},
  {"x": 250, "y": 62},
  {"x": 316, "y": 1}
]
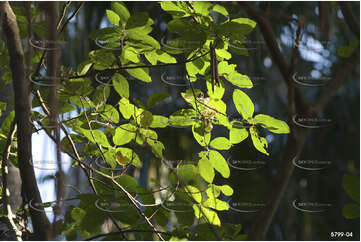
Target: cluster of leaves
[{"x": 113, "y": 132}]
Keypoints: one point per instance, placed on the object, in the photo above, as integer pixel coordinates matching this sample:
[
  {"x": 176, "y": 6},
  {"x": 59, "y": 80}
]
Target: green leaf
[
  {"x": 182, "y": 117},
  {"x": 272, "y": 124},
  {"x": 146, "y": 119},
  {"x": 130, "y": 54},
  {"x": 220, "y": 9},
  {"x": 259, "y": 143},
  {"x": 77, "y": 214},
  {"x": 237, "y": 135},
  {"x": 194, "y": 193},
  {"x": 110, "y": 33},
  {"x": 351, "y": 184},
  {"x": 224, "y": 54},
  {"x": 351, "y": 211},
  {"x": 227, "y": 190},
  {"x": 243, "y": 104},
  {"x": 216, "y": 204},
  {"x": 221, "y": 143},
  {"x": 157, "y": 147},
  {"x": 202, "y": 7},
  {"x": 2, "y": 106},
  {"x": 124, "y": 134},
  {"x": 137, "y": 20},
  {"x": 159, "y": 122},
  {"x": 206, "y": 170},
  {"x": 219, "y": 163},
  {"x": 200, "y": 134},
  {"x": 218, "y": 90},
  {"x": 128, "y": 182},
  {"x": 239, "y": 80},
  {"x": 238, "y": 27},
  {"x": 121, "y": 85},
  {"x": 140, "y": 73},
  {"x": 113, "y": 17},
  {"x": 121, "y": 10},
  {"x": 178, "y": 26},
  {"x": 102, "y": 59},
  {"x": 225, "y": 68},
  {"x": 156, "y": 98},
  {"x": 126, "y": 108},
  {"x": 142, "y": 41},
  {"x": 84, "y": 67},
  {"x": 173, "y": 8},
  {"x": 211, "y": 216},
  {"x": 99, "y": 137},
  {"x": 130, "y": 156},
  {"x": 186, "y": 172},
  {"x": 109, "y": 113}
]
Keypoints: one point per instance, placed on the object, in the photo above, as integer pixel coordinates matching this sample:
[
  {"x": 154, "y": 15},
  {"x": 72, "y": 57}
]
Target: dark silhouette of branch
[
  {"x": 344, "y": 70},
  {"x": 297, "y": 104},
  {"x": 10, "y": 29},
  {"x": 275, "y": 51},
  {"x": 350, "y": 19}
]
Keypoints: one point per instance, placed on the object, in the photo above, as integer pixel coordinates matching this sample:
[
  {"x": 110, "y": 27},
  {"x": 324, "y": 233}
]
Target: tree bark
[{"x": 10, "y": 30}]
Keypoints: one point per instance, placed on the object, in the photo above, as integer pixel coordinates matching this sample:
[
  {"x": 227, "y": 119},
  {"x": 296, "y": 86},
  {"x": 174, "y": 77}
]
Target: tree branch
[
  {"x": 350, "y": 19},
  {"x": 344, "y": 70},
  {"x": 5, "y": 189},
  {"x": 276, "y": 54},
  {"x": 39, "y": 220}
]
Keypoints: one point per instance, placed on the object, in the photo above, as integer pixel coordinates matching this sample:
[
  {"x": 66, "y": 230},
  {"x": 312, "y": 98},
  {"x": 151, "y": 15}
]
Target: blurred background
[{"x": 330, "y": 151}]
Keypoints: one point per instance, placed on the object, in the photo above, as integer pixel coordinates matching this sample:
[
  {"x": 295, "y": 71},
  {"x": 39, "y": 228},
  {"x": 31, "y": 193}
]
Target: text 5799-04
[{"x": 340, "y": 234}]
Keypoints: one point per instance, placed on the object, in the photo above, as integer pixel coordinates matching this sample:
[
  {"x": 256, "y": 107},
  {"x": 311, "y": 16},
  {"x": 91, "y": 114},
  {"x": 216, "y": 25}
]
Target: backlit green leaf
[
  {"x": 206, "y": 170},
  {"x": 124, "y": 134},
  {"x": 243, "y": 104},
  {"x": 121, "y": 85},
  {"x": 140, "y": 73},
  {"x": 221, "y": 143},
  {"x": 272, "y": 124},
  {"x": 122, "y": 11},
  {"x": 113, "y": 17},
  {"x": 259, "y": 143},
  {"x": 219, "y": 163}
]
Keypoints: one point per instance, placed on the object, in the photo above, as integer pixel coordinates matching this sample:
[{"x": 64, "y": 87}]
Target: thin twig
[{"x": 5, "y": 190}]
